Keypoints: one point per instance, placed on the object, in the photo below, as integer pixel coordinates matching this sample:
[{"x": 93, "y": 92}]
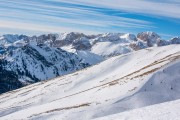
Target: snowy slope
[
  {"x": 163, "y": 111},
  {"x": 121, "y": 83}
]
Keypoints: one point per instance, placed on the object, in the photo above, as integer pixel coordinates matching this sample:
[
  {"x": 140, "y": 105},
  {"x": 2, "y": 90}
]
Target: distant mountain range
[{"x": 29, "y": 59}]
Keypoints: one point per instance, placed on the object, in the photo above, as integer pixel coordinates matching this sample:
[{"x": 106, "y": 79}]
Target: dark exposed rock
[
  {"x": 175, "y": 40},
  {"x": 163, "y": 42},
  {"x": 150, "y": 37},
  {"x": 137, "y": 46},
  {"x": 81, "y": 44},
  {"x": 8, "y": 79}
]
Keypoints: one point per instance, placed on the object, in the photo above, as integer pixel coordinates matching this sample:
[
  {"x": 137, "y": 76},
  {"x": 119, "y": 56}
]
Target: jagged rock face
[
  {"x": 2, "y": 50},
  {"x": 163, "y": 42},
  {"x": 175, "y": 40},
  {"x": 32, "y": 63},
  {"x": 137, "y": 45},
  {"x": 8, "y": 79},
  {"x": 43, "y": 38},
  {"x": 42, "y": 62},
  {"x": 12, "y": 38},
  {"x": 150, "y": 37},
  {"x": 59, "y": 40},
  {"x": 66, "y": 39},
  {"x": 81, "y": 44}
]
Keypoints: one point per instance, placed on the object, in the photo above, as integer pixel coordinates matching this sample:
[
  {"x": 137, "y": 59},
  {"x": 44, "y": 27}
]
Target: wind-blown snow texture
[
  {"x": 118, "y": 84},
  {"x": 164, "y": 111}
]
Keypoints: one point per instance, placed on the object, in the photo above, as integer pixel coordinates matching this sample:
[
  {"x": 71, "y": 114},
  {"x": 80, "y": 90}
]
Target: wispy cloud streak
[
  {"x": 166, "y": 8},
  {"x": 90, "y": 16}
]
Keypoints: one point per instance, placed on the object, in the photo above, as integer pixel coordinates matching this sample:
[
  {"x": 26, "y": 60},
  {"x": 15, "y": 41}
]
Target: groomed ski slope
[
  {"x": 121, "y": 83},
  {"x": 163, "y": 111}
]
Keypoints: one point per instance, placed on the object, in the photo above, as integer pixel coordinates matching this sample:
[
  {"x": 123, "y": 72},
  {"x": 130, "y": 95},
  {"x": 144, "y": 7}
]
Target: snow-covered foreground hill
[
  {"x": 163, "y": 111},
  {"x": 120, "y": 83}
]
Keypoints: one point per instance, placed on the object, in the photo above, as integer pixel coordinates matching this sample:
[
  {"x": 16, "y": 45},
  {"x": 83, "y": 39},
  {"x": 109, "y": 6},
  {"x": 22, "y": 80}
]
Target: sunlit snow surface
[
  {"x": 121, "y": 83},
  {"x": 163, "y": 111}
]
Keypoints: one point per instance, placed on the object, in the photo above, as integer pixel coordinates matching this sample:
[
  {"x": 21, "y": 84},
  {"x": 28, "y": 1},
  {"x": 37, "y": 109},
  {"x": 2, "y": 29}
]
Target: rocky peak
[
  {"x": 163, "y": 42},
  {"x": 175, "y": 40},
  {"x": 10, "y": 38},
  {"x": 150, "y": 37},
  {"x": 81, "y": 44}
]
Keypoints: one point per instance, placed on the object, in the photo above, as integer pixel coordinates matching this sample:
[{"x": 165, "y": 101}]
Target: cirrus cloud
[{"x": 89, "y": 16}]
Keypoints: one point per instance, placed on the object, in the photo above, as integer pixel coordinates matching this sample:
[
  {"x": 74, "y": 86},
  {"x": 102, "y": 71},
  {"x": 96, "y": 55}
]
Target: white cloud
[
  {"x": 38, "y": 28},
  {"x": 66, "y": 16},
  {"x": 166, "y": 8},
  {"x": 51, "y": 17}
]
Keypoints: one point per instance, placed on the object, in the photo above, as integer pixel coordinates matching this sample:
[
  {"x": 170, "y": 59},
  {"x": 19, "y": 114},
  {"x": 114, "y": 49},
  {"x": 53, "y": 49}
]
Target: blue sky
[{"x": 34, "y": 17}]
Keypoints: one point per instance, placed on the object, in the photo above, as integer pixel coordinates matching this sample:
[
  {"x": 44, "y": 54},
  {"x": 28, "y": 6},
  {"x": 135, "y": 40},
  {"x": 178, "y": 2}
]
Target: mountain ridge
[{"x": 36, "y": 58}]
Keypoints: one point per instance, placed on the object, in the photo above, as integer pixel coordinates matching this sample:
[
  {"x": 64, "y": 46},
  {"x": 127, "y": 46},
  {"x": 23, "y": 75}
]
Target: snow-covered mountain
[
  {"x": 28, "y": 59},
  {"x": 110, "y": 44},
  {"x": 31, "y": 63},
  {"x": 137, "y": 79},
  {"x": 106, "y": 45}
]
